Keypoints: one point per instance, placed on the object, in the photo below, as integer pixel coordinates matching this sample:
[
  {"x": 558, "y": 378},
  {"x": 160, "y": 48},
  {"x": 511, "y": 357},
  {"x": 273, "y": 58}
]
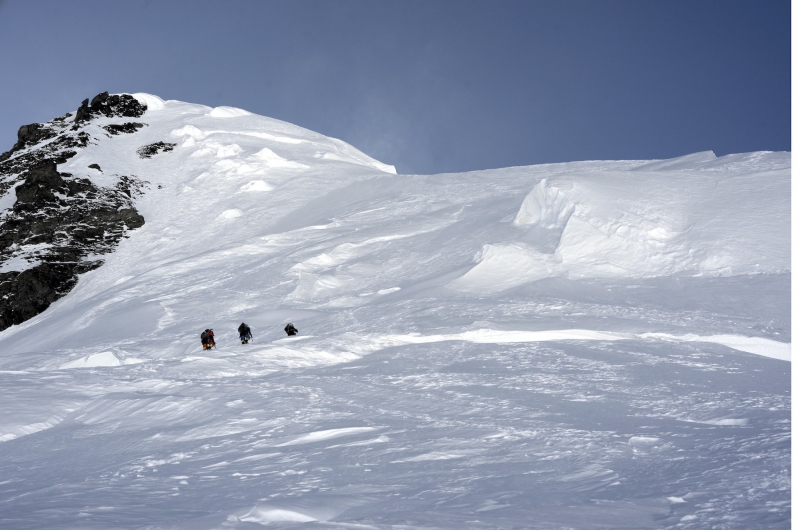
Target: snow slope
[{"x": 587, "y": 345}]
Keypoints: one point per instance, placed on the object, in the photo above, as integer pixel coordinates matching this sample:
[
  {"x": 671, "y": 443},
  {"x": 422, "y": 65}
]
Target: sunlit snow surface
[{"x": 583, "y": 345}]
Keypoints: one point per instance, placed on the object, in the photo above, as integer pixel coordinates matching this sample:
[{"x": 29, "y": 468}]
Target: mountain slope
[
  {"x": 54, "y": 226},
  {"x": 568, "y": 343}
]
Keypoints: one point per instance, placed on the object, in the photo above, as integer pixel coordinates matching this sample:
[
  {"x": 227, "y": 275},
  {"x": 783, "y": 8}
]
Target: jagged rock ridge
[{"x": 59, "y": 224}]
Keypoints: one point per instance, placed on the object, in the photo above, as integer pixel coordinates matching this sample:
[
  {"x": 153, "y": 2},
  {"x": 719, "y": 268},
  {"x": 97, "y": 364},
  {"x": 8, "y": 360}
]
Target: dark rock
[
  {"x": 83, "y": 113},
  {"x": 148, "y": 151},
  {"x": 109, "y": 106},
  {"x": 131, "y": 218},
  {"x": 96, "y": 166},
  {"x": 62, "y": 157},
  {"x": 99, "y": 100},
  {"x": 33, "y": 134},
  {"x": 28, "y": 135},
  {"x": 36, "y": 133},
  {"x": 25, "y": 294},
  {"x": 41, "y": 185},
  {"x": 124, "y": 128}
]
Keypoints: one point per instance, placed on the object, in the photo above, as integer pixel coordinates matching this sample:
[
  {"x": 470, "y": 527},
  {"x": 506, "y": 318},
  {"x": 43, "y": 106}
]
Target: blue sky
[{"x": 430, "y": 86}]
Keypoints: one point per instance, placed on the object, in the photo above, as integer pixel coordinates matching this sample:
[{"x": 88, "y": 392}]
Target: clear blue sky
[{"x": 430, "y": 86}]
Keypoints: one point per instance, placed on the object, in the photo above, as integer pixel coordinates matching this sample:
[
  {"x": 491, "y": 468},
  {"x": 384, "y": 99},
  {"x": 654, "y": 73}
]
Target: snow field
[
  {"x": 586, "y": 345},
  {"x": 448, "y": 432}
]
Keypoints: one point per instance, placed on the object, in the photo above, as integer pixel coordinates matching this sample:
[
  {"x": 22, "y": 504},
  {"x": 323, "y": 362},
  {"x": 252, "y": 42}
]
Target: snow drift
[{"x": 717, "y": 217}]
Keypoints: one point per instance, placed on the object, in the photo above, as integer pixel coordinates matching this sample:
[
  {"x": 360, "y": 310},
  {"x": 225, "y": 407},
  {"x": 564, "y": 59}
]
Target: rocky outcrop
[
  {"x": 123, "y": 128},
  {"x": 29, "y": 135},
  {"x": 109, "y": 106},
  {"x": 60, "y": 224},
  {"x": 148, "y": 151}
]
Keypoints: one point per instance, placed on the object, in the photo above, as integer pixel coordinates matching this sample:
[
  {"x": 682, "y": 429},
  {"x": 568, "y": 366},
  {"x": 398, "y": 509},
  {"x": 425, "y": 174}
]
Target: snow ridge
[{"x": 623, "y": 225}]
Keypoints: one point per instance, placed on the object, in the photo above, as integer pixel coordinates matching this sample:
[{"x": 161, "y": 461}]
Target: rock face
[{"x": 59, "y": 223}]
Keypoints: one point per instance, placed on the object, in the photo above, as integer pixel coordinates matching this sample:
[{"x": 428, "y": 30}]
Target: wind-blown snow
[
  {"x": 153, "y": 103},
  {"x": 647, "y": 221},
  {"x": 582, "y": 345},
  {"x": 759, "y": 346},
  {"x": 228, "y": 112},
  {"x": 96, "y": 360}
]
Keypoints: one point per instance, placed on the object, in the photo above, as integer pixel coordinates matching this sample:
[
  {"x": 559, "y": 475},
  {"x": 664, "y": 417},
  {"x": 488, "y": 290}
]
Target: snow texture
[{"x": 579, "y": 345}]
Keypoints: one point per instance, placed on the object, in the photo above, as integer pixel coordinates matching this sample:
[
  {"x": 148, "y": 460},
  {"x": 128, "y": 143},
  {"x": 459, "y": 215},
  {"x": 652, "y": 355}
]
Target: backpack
[{"x": 204, "y": 336}]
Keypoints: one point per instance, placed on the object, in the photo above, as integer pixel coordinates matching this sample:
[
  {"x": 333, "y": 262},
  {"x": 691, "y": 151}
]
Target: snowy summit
[{"x": 598, "y": 344}]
